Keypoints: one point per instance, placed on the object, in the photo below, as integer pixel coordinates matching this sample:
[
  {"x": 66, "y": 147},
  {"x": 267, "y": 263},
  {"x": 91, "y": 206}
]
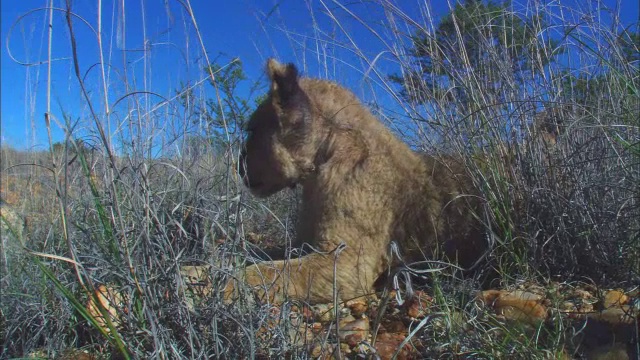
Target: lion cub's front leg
[
  {"x": 310, "y": 278},
  {"x": 269, "y": 280}
]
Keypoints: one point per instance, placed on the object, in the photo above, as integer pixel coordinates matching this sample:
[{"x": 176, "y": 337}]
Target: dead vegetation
[{"x": 134, "y": 212}]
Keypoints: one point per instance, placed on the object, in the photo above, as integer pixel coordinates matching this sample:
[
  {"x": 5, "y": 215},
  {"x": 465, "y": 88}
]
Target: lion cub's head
[{"x": 282, "y": 135}]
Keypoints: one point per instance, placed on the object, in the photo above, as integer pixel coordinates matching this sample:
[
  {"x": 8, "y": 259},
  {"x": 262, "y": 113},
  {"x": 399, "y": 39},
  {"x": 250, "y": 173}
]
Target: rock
[
  {"x": 301, "y": 335},
  {"x": 585, "y": 308},
  {"x": 345, "y": 349},
  {"x": 418, "y": 306},
  {"x": 615, "y": 298},
  {"x": 533, "y": 288},
  {"x": 358, "y": 306},
  {"x": 394, "y": 326},
  {"x": 195, "y": 284},
  {"x": 346, "y": 320},
  {"x": 324, "y": 313},
  {"x": 515, "y": 305},
  {"x": 316, "y": 327},
  {"x": 354, "y": 332},
  {"x": 254, "y": 238},
  {"x": 323, "y": 350},
  {"x": 526, "y": 295},
  {"x": 582, "y": 294},
  {"x": 388, "y": 343},
  {"x": 107, "y": 297},
  {"x": 271, "y": 323},
  {"x": 568, "y": 307}
]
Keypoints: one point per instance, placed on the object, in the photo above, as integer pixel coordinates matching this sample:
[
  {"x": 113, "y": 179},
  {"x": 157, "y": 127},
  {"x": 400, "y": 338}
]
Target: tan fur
[{"x": 362, "y": 187}]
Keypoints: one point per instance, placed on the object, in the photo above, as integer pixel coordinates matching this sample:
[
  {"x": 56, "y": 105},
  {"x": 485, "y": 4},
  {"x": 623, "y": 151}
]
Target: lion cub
[{"x": 362, "y": 189}]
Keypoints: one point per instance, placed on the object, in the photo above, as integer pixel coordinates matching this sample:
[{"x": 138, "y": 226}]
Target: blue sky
[{"x": 250, "y": 30}]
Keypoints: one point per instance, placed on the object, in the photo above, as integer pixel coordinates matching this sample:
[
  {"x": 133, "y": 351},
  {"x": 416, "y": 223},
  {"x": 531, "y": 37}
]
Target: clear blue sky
[{"x": 250, "y": 30}]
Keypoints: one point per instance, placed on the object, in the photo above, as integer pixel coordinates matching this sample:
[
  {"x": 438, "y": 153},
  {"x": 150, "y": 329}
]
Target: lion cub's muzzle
[
  {"x": 251, "y": 180},
  {"x": 263, "y": 178}
]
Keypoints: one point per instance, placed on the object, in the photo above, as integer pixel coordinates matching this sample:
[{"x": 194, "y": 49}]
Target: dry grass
[{"x": 129, "y": 208}]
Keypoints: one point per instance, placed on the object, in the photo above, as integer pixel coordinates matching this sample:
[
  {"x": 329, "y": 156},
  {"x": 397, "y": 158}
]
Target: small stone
[
  {"x": 418, "y": 306},
  {"x": 110, "y": 299},
  {"x": 323, "y": 350},
  {"x": 586, "y": 308},
  {"x": 345, "y": 349},
  {"x": 357, "y": 306},
  {"x": 582, "y": 294},
  {"x": 516, "y": 305},
  {"x": 354, "y": 332},
  {"x": 568, "y": 306},
  {"x": 324, "y": 313},
  {"x": 346, "y": 320},
  {"x": 615, "y": 298},
  {"x": 395, "y": 326},
  {"x": 316, "y": 327},
  {"x": 526, "y": 295},
  {"x": 388, "y": 343}
]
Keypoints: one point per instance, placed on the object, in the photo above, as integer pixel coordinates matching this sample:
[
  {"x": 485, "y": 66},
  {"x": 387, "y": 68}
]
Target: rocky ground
[
  {"x": 593, "y": 323},
  {"x": 605, "y": 323}
]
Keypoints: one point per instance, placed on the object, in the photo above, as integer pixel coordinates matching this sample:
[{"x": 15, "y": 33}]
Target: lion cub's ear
[{"x": 284, "y": 81}]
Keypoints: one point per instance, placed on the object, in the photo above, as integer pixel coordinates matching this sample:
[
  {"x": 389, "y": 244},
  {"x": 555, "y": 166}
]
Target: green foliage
[
  {"x": 617, "y": 69},
  {"x": 471, "y": 35},
  {"x": 630, "y": 46},
  {"x": 226, "y": 110},
  {"x": 467, "y": 41}
]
